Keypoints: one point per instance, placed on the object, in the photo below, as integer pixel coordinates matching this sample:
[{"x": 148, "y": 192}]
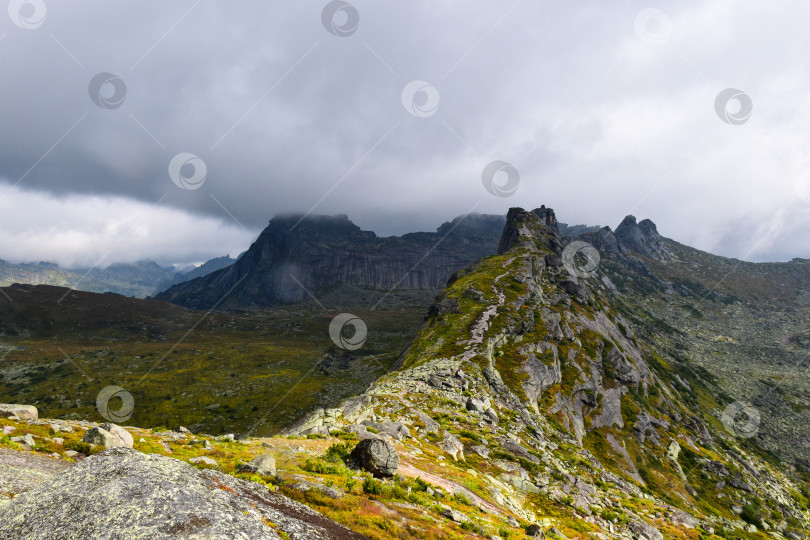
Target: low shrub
[
  {"x": 338, "y": 453},
  {"x": 372, "y": 486}
]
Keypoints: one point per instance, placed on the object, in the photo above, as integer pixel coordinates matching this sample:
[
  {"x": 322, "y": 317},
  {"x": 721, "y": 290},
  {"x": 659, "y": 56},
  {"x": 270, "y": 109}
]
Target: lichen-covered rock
[
  {"x": 644, "y": 531},
  {"x": 24, "y": 439},
  {"x": 453, "y": 446},
  {"x": 23, "y": 412},
  {"x": 377, "y": 456},
  {"x": 396, "y": 430},
  {"x": 431, "y": 426},
  {"x": 454, "y": 515},
  {"x": 122, "y": 494},
  {"x": 679, "y": 517},
  {"x": 330, "y": 492},
  {"x": 21, "y": 471},
  {"x": 108, "y": 439},
  {"x": 264, "y": 465},
  {"x": 100, "y": 437},
  {"x": 203, "y": 460},
  {"x": 123, "y": 436}
]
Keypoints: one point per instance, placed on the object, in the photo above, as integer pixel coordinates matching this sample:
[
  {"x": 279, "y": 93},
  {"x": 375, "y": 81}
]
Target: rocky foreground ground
[
  {"x": 137, "y": 483},
  {"x": 77, "y": 479}
]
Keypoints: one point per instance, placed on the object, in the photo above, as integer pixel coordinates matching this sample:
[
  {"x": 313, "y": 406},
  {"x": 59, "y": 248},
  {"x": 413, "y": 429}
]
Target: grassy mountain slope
[{"x": 531, "y": 390}]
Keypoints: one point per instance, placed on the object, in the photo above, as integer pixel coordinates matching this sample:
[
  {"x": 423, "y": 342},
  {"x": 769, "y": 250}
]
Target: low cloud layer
[
  {"x": 603, "y": 111},
  {"x": 90, "y": 230}
]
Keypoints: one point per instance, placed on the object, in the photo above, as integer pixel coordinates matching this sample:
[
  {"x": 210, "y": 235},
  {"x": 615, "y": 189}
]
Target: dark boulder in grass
[{"x": 377, "y": 456}]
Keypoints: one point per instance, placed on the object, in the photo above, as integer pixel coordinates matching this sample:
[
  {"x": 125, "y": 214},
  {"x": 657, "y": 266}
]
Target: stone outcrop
[
  {"x": 115, "y": 495},
  {"x": 23, "y": 412},
  {"x": 108, "y": 436},
  {"x": 264, "y": 465}
]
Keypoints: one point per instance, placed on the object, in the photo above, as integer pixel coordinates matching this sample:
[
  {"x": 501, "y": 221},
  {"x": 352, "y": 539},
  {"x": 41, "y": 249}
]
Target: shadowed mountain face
[{"x": 321, "y": 256}]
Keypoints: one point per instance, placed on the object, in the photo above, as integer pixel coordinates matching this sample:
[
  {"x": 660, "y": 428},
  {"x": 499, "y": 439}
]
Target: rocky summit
[{"x": 332, "y": 259}]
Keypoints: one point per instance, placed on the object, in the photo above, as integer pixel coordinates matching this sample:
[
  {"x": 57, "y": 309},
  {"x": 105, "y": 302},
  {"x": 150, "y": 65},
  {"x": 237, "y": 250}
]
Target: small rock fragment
[{"x": 202, "y": 460}]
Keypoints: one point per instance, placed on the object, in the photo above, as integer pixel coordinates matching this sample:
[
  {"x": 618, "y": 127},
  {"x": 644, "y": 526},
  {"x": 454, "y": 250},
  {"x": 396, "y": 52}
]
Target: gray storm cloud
[{"x": 603, "y": 109}]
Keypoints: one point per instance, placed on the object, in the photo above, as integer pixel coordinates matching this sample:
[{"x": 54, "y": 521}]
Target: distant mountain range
[
  {"x": 423, "y": 262},
  {"x": 139, "y": 279},
  {"x": 331, "y": 260}
]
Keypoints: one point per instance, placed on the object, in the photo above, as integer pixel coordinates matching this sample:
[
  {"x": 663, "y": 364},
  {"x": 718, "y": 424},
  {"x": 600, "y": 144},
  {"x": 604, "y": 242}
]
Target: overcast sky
[{"x": 602, "y": 111}]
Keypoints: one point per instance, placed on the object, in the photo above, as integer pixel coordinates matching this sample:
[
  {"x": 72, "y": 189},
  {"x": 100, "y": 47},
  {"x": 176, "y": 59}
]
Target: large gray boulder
[
  {"x": 377, "y": 456},
  {"x": 100, "y": 437},
  {"x": 122, "y": 494},
  {"x": 23, "y": 412},
  {"x": 108, "y": 436},
  {"x": 264, "y": 465},
  {"x": 124, "y": 437},
  {"x": 644, "y": 531}
]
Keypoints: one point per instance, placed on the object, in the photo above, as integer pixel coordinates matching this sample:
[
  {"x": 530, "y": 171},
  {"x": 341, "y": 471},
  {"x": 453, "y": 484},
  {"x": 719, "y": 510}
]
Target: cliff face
[{"x": 322, "y": 253}]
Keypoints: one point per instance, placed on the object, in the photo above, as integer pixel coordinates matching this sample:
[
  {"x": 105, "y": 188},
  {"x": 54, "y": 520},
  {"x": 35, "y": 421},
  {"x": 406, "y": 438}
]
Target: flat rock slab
[
  {"x": 122, "y": 494},
  {"x": 22, "y": 471}
]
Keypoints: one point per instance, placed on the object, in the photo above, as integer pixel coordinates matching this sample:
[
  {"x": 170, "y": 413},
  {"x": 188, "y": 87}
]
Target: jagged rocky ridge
[
  {"x": 526, "y": 370},
  {"x": 318, "y": 255}
]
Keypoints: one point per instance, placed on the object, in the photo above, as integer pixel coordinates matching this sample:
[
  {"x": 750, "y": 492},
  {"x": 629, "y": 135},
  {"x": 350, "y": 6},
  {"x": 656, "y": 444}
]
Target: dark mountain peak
[
  {"x": 320, "y": 225},
  {"x": 536, "y": 228},
  {"x": 642, "y": 238},
  {"x": 648, "y": 227},
  {"x": 471, "y": 223},
  {"x": 547, "y": 217},
  {"x": 628, "y": 221},
  {"x": 604, "y": 239}
]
